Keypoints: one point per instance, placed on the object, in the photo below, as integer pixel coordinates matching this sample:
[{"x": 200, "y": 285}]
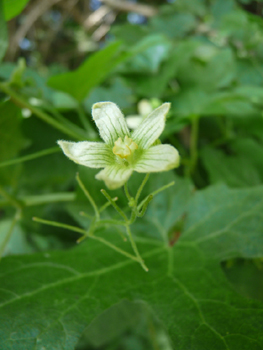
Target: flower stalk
[{"x": 96, "y": 221}]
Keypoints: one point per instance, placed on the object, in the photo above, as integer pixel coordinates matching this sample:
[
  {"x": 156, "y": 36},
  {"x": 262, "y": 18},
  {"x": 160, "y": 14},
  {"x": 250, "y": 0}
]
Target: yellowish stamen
[{"x": 124, "y": 148}]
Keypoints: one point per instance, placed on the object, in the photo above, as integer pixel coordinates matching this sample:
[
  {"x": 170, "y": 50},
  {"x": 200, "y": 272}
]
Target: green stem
[
  {"x": 114, "y": 247},
  {"x": 121, "y": 234},
  {"x": 135, "y": 249},
  {"x": 48, "y": 198},
  {"x": 30, "y": 157},
  {"x": 141, "y": 187},
  {"x": 127, "y": 192},
  {"x": 10, "y": 231},
  {"x": 193, "y": 144},
  {"x": 82, "y": 213},
  {"x": 67, "y": 123},
  {"x": 170, "y": 261},
  {"x": 111, "y": 222},
  {"x": 155, "y": 193},
  {"x": 59, "y": 224},
  {"x": 92, "y": 227},
  {"x": 42, "y": 199},
  {"x": 86, "y": 235},
  {"x": 133, "y": 216},
  {"x": 83, "y": 118},
  {"x": 107, "y": 204},
  {"x": 97, "y": 214},
  {"x": 145, "y": 205},
  {"x": 115, "y": 206},
  {"x": 10, "y": 199},
  {"x": 21, "y": 102}
]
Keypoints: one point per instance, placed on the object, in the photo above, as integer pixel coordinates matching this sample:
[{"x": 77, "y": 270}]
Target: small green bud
[{"x": 132, "y": 203}]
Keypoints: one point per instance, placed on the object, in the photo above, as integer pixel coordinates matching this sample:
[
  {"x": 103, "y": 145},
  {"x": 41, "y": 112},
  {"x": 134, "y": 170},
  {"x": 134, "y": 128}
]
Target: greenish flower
[{"x": 124, "y": 152}]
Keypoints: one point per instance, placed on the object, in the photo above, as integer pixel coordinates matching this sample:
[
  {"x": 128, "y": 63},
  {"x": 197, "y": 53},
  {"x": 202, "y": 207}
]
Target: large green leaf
[
  {"x": 3, "y": 32},
  {"x": 12, "y": 8},
  {"x": 48, "y": 299},
  {"x": 80, "y": 82}
]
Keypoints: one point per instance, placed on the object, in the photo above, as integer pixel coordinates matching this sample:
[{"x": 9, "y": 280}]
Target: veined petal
[
  {"x": 158, "y": 158},
  {"x": 114, "y": 176},
  {"x": 151, "y": 127},
  {"x": 91, "y": 154},
  {"x": 110, "y": 121}
]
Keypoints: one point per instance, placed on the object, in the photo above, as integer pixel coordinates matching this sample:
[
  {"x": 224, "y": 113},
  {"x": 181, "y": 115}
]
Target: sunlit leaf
[
  {"x": 12, "y": 8},
  {"x": 80, "y": 82}
]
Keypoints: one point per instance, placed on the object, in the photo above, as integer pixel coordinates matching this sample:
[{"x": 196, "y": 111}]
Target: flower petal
[
  {"x": 158, "y": 158},
  {"x": 151, "y": 127},
  {"x": 91, "y": 154},
  {"x": 110, "y": 121},
  {"x": 114, "y": 176}
]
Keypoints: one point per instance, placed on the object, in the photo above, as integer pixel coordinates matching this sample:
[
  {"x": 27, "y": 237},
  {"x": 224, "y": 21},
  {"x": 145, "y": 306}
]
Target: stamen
[{"x": 125, "y": 148}]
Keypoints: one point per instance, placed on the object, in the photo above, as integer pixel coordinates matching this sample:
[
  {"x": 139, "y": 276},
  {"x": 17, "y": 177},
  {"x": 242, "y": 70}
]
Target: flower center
[{"x": 124, "y": 148}]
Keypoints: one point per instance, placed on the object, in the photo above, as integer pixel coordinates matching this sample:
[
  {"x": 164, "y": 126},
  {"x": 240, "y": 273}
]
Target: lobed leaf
[{"x": 185, "y": 286}]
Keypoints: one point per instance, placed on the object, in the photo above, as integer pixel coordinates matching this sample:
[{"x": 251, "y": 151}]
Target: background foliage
[{"x": 202, "y": 239}]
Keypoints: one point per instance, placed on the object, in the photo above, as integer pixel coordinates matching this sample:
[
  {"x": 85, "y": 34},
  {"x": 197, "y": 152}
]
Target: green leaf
[
  {"x": 92, "y": 72},
  {"x": 244, "y": 27},
  {"x": 197, "y": 7},
  {"x": 215, "y": 71},
  {"x": 200, "y": 102},
  {"x": 123, "y": 320},
  {"x": 37, "y": 176},
  {"x": 48, "y": 299},
  {"x": 235, "y": 170},
  {"x": 249, "y": 72},
  {"x": 129, "y": 33},
  {"x": 63, "y": 101},
  {"x": 3, "y": 33},
  {"x": 173, "y": 25},
  {"x": 253, "y": 152},
  {"x": 118, "y": 92},
  {"x": 34, "y": 84},
  {"x": 12, "y": 8},
  {"x": 251, "y": 126},
  {"x": 156, "y": 83},
  {"x": 17, "y": 244},
  {"x": 221, "y": 7},
  {"x": 246, "y": 276},
  {"x": 148, "y": 54}
]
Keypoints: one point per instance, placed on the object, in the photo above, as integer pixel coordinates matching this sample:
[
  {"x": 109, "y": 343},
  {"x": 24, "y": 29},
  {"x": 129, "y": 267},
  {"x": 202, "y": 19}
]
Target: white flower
[{"x": 123, "y": 152}]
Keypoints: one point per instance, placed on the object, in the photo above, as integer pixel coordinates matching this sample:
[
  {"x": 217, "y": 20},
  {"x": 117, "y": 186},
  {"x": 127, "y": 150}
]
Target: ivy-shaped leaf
[{"x": 48, "y": 299}]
